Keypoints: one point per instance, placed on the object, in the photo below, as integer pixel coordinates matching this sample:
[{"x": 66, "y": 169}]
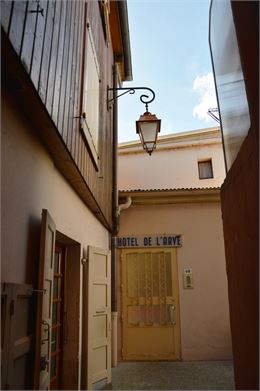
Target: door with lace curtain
[{"x": 150, "y": 305}]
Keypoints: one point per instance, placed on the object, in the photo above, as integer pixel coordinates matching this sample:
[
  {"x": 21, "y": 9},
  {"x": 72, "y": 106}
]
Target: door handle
[
  {"x": 48, "y": 329},
  {"x": 100, "y": 311},
  {"x": 39, "y": 291},
  {"x": 44, "y": 363},
  {"x": 172, "y": 309}
]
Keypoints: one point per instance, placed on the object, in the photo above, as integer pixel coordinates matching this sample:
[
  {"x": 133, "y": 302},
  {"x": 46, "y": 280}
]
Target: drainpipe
[
  {"x": 114, "y": 314},
  {"x": 116, "y": 212},
  {"x": 121, "y": 207},
  {"x": 115, "y": 223},
  {"x": 126, "y": 205}
]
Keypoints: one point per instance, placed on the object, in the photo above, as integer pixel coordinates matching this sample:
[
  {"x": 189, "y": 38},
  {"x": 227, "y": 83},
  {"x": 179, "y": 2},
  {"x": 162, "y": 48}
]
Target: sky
[{"x": 170, "y": 54}]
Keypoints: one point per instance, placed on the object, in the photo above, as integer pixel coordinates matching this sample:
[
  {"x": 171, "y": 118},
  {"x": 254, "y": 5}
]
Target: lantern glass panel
[{"x": 148, "y": 131}]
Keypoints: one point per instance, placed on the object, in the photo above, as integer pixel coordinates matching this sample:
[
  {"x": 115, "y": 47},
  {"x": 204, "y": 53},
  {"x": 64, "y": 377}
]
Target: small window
[{"x": 205, "y": 169}]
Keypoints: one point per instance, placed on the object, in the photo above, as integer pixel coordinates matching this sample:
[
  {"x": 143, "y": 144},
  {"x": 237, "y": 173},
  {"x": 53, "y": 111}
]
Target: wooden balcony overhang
[{"x": 16, "y": 82}]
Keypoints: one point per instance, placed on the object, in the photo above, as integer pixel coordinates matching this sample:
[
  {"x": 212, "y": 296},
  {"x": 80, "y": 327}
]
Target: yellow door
[{"x": 150, "y": 305}]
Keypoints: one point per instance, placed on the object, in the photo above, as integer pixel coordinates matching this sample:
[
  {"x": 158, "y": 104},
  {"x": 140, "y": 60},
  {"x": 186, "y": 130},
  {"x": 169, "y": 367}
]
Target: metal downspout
[{"x": 115, "y": 222}]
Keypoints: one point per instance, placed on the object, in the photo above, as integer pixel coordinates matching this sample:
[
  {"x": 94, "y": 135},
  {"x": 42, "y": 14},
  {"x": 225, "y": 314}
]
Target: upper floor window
[
  {"x": 91, "y": 83},
  {"x": 205, "y": 169}
]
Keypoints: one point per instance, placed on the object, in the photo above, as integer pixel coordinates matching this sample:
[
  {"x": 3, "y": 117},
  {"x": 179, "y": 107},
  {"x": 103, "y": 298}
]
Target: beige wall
[
  {"x": 205, "y": 330},
  {"x": 30, "y": 182},
  {"x": 174, "y": 164}
]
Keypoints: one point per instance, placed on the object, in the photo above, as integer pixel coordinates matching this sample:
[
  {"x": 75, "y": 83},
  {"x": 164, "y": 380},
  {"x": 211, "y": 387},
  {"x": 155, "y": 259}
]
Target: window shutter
[
  {"x": 91, "y": 98},
  {"x": 17, "y": 327},
  {"x": 44, "y": 303},
  {"x": 97, "y": 318}
]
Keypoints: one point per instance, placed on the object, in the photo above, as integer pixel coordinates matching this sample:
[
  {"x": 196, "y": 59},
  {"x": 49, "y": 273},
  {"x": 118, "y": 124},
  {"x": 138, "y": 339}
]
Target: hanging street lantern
[{"x": 148, "y": 126}]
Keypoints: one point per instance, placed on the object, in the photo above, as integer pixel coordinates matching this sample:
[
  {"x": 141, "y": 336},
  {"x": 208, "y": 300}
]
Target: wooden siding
[{"x": 50, "y": 46}]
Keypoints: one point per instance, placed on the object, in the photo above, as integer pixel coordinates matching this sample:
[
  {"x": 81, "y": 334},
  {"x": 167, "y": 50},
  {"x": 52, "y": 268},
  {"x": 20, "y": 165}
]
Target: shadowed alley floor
[{"x": 189, "y": 375}]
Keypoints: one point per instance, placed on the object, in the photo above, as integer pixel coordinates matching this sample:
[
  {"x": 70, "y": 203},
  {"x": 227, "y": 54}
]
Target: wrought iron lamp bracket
[{"x": 131, "y": 90}]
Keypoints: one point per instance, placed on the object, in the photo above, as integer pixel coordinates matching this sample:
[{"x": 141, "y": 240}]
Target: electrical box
[{"x": 188, "y": 278}]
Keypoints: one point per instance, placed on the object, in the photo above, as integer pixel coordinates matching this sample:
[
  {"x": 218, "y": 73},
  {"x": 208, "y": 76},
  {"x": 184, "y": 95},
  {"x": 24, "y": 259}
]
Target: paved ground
[{"x": 189, "y": 375}]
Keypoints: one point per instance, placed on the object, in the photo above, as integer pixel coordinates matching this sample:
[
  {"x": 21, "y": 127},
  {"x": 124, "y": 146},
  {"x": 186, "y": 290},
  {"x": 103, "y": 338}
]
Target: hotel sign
[{"x": 169, "y": 240}]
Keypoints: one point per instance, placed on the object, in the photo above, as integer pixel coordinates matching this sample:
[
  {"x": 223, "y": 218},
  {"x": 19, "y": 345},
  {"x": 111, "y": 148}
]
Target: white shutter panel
[
  {"x": 97, "y": 293},
  {"x": 44, "y": 303}
]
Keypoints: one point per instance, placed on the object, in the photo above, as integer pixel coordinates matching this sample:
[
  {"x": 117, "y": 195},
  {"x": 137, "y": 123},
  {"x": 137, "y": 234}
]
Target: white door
[
  {"x": 99, "y": 316},
  {"x": 44, "y": 303}
]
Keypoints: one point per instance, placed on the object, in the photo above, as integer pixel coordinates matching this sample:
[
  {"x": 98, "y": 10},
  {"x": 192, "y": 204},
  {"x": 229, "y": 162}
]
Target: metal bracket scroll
[{"x": 131, "y": 90}]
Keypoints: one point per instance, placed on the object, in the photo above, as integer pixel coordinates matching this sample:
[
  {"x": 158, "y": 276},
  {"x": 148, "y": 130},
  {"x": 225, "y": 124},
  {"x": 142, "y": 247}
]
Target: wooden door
[
  {"x": 99, "y": 317},
  {"x": 44, "y": 303},
  {"x": 150, "y": 305}
]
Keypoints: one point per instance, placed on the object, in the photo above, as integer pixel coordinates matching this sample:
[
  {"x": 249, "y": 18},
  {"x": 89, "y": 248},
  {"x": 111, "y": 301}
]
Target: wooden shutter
[
  {"x": 91, "y": 98},
  {"x": 97, "y": 300},
  {"x": 44, "y": 303},
  {"x": 17, "y": 334}
]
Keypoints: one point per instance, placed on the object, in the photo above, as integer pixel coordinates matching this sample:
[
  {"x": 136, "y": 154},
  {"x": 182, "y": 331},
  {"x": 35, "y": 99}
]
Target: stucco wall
[
  {"x": 30, "y": 182},
  {"x": 205, "y": 330},
  {"x": 174, "y": 168}
]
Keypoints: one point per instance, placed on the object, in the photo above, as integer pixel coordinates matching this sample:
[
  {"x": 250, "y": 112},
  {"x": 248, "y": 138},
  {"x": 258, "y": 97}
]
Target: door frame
[
  {"x": 70, "y": 375},
  {"x": 70, "y": 366}
]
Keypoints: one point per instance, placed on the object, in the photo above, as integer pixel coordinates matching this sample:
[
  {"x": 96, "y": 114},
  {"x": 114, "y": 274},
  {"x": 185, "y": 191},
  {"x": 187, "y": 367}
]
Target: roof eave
[
  {"x": 172, "y": 196},
  {"x": 123, "y": 17}
]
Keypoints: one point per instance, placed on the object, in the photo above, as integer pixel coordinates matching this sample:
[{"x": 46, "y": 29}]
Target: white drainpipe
[
  {"x": 114, "y": 314},
  {"x": 124, "y": 206}
]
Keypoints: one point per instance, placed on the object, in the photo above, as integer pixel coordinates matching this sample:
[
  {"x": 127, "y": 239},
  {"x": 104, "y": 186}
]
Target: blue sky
[{"x": 170, "y": 54}]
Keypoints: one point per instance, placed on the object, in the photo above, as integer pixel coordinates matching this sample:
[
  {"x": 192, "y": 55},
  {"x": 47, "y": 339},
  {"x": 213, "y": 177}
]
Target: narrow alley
[
  {"x": 130, "y": 195},
  {"x": 171, "y": 375}
]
